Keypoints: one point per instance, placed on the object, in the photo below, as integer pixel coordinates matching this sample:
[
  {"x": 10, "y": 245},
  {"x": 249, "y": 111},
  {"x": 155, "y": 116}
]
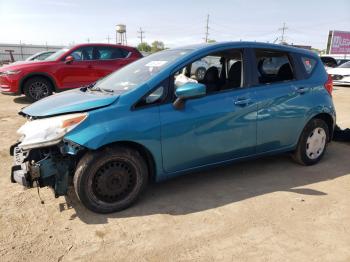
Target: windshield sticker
[{"x": 156, "y": 63}]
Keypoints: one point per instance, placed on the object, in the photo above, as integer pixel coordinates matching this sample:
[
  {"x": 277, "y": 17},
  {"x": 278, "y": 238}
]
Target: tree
[
  {"x": 144, "y": 47},
  {"x": 157, "y": 46},
  {"x": 211, "y": 41}
]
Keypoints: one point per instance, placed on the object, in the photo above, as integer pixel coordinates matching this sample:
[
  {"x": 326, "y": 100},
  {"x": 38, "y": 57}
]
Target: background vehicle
[
  {"x": 329, "y": 62},
  {"x": 40, "y": 56},
  {"x": 342, "y": 61},
  {"x": 199, "y": 68},
  {"x": 341, "y": 74},
  {"x": 333, "y": 62},
  {"x": 66, "y": 69},
  {"x": 153, "y": 120}
]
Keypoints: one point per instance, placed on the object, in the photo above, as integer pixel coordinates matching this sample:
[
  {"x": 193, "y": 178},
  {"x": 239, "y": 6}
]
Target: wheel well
[
  {"x": 25, "y": 79},
  {"x": 145, "y": 153},
  {"x": 329, "y": 121}
]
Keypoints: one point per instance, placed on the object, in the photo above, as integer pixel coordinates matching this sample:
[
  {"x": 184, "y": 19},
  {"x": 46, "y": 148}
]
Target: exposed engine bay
[{"x": 49, "y": 166}]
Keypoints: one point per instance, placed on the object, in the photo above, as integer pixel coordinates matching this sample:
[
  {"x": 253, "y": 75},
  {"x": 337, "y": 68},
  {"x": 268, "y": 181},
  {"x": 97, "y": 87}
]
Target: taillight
[{"x": 329, "y": 85}]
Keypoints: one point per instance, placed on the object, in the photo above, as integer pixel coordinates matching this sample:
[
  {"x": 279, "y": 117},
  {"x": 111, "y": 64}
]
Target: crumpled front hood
[{"x": 69, "y": 102}]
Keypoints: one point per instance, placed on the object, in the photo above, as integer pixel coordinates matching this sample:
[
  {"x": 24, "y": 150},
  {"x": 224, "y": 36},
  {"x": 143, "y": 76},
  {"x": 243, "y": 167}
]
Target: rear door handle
[
  {"x": 242, "y": 101},
  {"x": 301, "y": 90}
]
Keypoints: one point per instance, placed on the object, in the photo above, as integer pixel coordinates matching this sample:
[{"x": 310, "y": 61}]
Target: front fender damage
[{"x": 51, "y": 166}]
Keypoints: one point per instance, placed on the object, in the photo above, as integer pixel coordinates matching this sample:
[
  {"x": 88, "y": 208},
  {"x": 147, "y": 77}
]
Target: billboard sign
[{"x": 339, "y": 42}]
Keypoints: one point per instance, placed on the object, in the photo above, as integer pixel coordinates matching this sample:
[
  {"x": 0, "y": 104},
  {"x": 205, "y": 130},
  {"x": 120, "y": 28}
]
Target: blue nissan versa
[{"x": 153, "y": 119}]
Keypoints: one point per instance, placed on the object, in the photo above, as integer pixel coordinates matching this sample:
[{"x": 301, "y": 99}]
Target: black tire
[
  {"x": 200, "y": 73},
  {"x": 36, "y": 88},
  {"x": 110, "y": 179},
  {"x": 312, "y": 143}
]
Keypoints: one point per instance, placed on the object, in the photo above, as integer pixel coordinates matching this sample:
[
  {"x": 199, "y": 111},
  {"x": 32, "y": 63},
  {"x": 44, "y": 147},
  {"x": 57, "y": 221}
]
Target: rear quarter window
[{"x": 309, "y": 64}]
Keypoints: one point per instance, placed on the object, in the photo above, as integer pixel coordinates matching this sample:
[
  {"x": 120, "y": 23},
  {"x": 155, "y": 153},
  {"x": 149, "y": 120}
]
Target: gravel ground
[{"x": 269, "y": 209}]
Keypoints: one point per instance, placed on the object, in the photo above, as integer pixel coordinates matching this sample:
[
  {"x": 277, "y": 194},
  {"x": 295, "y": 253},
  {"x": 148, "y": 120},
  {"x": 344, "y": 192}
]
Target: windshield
[
  {"x": 56, "y": 55},
  {"x": 345, "y": 65},
  {"x": 139, "y": 71},
  {"x": 40, "y": 56}
]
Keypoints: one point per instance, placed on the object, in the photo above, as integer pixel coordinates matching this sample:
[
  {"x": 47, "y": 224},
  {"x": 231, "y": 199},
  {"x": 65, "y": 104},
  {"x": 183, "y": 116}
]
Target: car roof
[
  {"x": 261, "y": 45},
  {"x": 101, "y": 44}
]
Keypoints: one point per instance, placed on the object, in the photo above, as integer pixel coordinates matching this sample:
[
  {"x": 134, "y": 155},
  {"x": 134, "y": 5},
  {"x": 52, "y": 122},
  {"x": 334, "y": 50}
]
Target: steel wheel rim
[
  {"x": 315, "y": 143},
  {"x": 38, "y": 90},
  {"x": 113, "y": 182}
]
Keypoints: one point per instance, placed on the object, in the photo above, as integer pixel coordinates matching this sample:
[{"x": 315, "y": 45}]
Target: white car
[
  {"x": 200, "y": 67},
  {"x": 340, "y": 74}
]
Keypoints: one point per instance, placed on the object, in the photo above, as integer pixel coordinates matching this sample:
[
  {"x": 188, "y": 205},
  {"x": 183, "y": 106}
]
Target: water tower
[{"x": 121, "y": 34}]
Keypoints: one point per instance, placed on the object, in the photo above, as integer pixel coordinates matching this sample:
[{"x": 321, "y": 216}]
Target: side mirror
[
  {"x": 187, "y": 91},
  {"x": 69, "y": 59}
]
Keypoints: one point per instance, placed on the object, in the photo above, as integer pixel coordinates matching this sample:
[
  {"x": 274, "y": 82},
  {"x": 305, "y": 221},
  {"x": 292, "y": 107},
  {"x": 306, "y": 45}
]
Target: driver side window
[
  {"x": 82, "y": 54},
  {"x": 218, "y": 71}
]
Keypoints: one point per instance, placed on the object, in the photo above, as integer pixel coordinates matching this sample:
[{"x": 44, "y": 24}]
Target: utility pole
[
  {"x": 88, "y": 40},
  {"x": 207, "y": 30},
  {"x": 108, "y": 38},
  {"x": 20, "y": 43},
  {"x": 141, "y": 32},
  {"x": 283, "y": 29}
]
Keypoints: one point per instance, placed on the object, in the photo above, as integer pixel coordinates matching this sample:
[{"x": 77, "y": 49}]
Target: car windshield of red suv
[
  {"x": 56, "y": 55},
  {"x": 138, "y": 72}
]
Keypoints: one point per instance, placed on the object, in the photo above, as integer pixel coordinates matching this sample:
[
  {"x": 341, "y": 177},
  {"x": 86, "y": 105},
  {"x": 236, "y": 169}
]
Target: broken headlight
[{"x": 48, "y": 131}]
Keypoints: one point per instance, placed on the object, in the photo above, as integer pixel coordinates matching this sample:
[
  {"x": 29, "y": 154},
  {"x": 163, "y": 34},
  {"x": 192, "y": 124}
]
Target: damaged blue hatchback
[{"x": 167, "y": 114}]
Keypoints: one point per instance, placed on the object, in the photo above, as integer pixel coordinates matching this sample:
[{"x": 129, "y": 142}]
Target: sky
[{"x": 176, "y": 23}]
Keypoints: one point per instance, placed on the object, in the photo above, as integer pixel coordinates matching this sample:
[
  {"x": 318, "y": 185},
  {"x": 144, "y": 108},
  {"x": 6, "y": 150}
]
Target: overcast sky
[{"x": 176, "y": 23}]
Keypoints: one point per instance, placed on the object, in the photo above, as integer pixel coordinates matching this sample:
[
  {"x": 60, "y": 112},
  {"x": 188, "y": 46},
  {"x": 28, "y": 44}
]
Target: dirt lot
[{"x": 263, "y": 210}]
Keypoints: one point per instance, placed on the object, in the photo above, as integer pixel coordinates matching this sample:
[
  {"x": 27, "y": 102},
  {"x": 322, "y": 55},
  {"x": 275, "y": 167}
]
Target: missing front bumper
[{"x": 42, "y": 167}]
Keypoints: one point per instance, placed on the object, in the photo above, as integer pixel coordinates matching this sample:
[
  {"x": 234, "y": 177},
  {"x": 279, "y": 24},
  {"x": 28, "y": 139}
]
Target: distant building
[{"x": 22, "y": 51}]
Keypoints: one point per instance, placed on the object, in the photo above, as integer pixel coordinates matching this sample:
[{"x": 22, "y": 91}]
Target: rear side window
[
  {"x": 309, "y": 64},
  {"x": 273, "y": 66}
]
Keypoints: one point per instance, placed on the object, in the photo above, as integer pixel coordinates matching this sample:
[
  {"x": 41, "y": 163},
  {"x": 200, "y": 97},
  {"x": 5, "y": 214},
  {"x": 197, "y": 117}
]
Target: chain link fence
[{"x": 22, "y": 51}]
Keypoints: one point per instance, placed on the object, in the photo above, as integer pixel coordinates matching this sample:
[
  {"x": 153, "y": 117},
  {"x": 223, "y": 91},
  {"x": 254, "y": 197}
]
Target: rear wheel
[
  {"x": 312, "y": 143},
  {"x": 37, "y": 88},
  {"x": 110, "y": 179}
]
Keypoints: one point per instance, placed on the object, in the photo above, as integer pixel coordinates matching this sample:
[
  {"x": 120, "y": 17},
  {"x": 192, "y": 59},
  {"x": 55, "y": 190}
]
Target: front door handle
[
  {"x": 89, "y": 66},
  {"x": 242, "y": 101}
]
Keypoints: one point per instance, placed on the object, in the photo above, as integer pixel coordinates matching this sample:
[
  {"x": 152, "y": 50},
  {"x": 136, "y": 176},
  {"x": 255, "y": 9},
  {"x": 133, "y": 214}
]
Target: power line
[
  {"x": 141, "y": 32},
  {"x": 207, "y": 30}
]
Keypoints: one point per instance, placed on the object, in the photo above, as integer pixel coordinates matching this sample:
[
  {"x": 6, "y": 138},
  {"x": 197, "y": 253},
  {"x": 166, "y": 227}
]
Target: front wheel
[
  {"x": 37, "y": 88},
  {"x": 110, "y": 179},
  {"x": 312, "y": 143}
]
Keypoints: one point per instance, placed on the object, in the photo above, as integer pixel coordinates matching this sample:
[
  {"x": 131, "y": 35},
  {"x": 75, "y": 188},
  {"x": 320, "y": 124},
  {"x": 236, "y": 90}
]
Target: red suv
[{"x": 67, "y": 68}]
